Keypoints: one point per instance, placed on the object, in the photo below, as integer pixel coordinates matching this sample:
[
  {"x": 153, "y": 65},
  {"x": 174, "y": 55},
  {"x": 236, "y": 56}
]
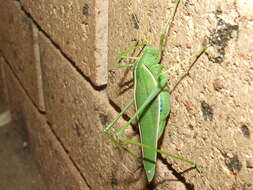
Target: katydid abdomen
[{"x": 152, "y": 120}]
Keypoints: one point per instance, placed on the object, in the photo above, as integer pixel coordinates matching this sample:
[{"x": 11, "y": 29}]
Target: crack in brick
[
  {"x": 20, "y": 83},
  {"x": 67, "y": 153},
  {"x": 57, "y": 46}
]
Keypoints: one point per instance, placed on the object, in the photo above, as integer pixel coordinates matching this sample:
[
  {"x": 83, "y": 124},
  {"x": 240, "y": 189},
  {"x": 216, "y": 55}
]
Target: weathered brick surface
[
  {"x": 58, "y": 170},
  {"x": 19, "y": 46},
  {"x": 78, "y": 114},
  {"x": 3, "y": 91},
  {"x": 72, "y": 26},
  {"x": 212, "y": 106}
]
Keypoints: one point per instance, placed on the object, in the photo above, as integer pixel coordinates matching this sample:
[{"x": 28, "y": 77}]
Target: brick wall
[{"x": 57, "y": 72}]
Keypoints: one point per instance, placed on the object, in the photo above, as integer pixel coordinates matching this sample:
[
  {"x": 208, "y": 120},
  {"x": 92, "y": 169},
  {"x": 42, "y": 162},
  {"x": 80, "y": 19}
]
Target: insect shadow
[
  {"x": 178, "y": 175},
  {"x": 136, "y": 175}
]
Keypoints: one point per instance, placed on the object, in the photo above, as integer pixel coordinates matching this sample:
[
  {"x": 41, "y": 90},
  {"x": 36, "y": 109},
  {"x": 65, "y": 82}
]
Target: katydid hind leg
[
  {"x": 149, "y": 99},
  {"x": 167, "y": 154},
  {"x": 118, "y": 144},
  {"x": 154, "y": 93},
  {"x": 138, "y": 112},
  {"x": 108, "y": 127}
]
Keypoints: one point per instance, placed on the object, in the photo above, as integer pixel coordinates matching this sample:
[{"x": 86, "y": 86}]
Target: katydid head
[
  {"x": 150, "y": 50},
  {"x": 150, "y": 56}
]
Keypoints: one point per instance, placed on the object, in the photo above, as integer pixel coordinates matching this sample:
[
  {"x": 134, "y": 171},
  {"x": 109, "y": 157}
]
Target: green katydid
[{"x": 152, "y": 101}]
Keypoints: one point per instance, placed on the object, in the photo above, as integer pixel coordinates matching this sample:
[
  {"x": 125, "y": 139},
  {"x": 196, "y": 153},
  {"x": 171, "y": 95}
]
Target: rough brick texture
[
  {"x": 19, "y": 47},
  {"x": 57, "y": 168},
  {"x": 72, "y": 26}
]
